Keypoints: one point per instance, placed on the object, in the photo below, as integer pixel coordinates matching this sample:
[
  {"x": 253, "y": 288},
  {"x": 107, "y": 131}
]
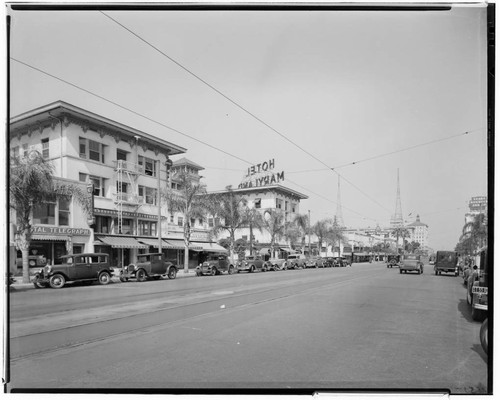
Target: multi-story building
[
  {"x": 124, "y": 168},
  {"x": 419, "y": 232},
  {"x": 265, "y": 198}
]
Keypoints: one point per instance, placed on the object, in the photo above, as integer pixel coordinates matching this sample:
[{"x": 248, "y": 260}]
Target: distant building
[{"x": 419, "y": 232}]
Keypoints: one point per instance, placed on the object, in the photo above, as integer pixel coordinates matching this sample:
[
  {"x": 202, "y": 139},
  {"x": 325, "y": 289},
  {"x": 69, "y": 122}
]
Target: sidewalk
[{"x": 18, "y": 285}]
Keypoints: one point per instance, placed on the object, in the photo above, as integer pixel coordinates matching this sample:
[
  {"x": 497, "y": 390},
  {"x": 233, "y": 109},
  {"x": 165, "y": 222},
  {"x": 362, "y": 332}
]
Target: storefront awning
[
  {"x": 150, "y": 242},
  {"x": 178, "y": 244},
  {"x": 119, "y": 242},
  {"x": 264, "y": 250},
  {"x": 50, "y": 237},
  {"x": 213, "y": 247}
]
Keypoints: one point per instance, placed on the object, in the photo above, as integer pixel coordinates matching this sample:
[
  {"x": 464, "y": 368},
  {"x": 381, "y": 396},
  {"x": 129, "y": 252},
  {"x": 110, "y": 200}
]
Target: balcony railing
[
  {"x": 128, "y": 166},
  {"x": 127, "y": 198}
]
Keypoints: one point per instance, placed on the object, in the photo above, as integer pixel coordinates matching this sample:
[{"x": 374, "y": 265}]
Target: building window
[
  {"x": 98, "y": 185},
  {"x": 102, "y": 224},
  {"x": 52, "y": 212},
  {"x": 82, "y": 177},
  {"x": 293, "y": 208},
  {"x": 127, "y": 226},
  {"x": 121, "y": 155},
  {"x": 25, "y": 150},
  {"x": 180, "y": 221},
  {"x": 45, "y": 148},
  {"x": 147, "y": 228},
  {"x": 148, "y": 195},
  {"x": 121, "y": 187},
  {"x": 64, "y": 203},
  {"x": 279, "y": 203},
  {"x": 210, "y": 222},
  {"x": 286, "y": 205},
  {"x": 92, "y": 150},
  {"x": 44, "y": 213},
  {"x": 148, "y": 165},
  {"x": 257, "y": 203},
  {"x": 172, "y": 219},
  {"x": 193, "y": 221}
]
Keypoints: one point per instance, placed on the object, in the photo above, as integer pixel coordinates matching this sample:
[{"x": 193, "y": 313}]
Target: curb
[{"x": 18, "y": 286}]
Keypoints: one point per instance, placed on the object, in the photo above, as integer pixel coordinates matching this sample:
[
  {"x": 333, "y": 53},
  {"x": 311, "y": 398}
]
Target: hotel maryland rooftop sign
[{"x": 261, "y": 175}]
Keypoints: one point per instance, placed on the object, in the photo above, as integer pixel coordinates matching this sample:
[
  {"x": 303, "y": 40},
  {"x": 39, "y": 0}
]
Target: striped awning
[
  {"x": 212, "y": 247},
  {"x": 119, "y": 242},
  {"x": 49, "y": 237},
  {"x": 178, "y": 244},
  {"x": 150, "y": 242}
]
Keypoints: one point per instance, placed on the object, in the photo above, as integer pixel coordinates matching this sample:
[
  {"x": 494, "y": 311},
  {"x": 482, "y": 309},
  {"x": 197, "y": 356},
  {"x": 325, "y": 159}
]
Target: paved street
[{"x": 366, "y": 326}]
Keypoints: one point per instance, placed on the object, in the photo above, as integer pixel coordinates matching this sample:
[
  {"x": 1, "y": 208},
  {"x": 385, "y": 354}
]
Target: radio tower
[
  {"x": 338, "y": 216},
  {"x": 397, "y": 218}
]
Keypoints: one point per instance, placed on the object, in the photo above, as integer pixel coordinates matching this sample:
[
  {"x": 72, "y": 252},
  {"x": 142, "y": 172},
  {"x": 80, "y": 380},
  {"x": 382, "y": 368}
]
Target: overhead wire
[
  {"x": 239, "y": 106},
  {"x": 162, "y": 124}
]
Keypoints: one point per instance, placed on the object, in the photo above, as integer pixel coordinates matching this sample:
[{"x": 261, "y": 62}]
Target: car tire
[
  {"x": 104, "y": 278},
  {"x": 477, "y": 315},
  {"x": 140, "y": 275},
  {"x": 483, "y": 335},
  {"x": 172, "y": 273},
  {"x": 38, "y": 285},
  {"x": 57, "y": 281},
  {"x": 251, "y": 269},
  {"x": 213, "y": 272},
  {"x": 230, "y": 270},
  {"x": 400, "y": 271}
]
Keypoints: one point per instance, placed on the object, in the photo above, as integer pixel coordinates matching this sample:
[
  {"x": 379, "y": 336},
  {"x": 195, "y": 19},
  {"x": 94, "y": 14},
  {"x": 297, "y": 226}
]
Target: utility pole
[
  {"x": 309, "y": 230},
  {"x": 159, "y": 207}
]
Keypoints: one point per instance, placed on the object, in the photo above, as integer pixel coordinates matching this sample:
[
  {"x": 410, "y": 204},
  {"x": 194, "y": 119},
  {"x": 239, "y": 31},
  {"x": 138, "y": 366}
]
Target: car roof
[{"x": 84, "y": 254}]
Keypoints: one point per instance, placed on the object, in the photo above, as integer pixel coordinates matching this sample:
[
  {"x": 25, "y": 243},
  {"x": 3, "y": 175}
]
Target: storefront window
[{"x": 102, "y": 224}]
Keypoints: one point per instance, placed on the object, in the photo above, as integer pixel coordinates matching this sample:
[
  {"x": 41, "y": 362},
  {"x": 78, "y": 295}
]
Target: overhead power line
[
  {"x": 238, "y": 105},
  {"x": 161, "y": 124}
]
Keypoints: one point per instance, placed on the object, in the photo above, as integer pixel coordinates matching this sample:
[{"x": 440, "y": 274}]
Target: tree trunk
[
  {"x": 186, "y": 257},
  {"x": 251, "y": 239},
  {"x": 231, "y": 245},
  {"x": 23, "y": 244}
]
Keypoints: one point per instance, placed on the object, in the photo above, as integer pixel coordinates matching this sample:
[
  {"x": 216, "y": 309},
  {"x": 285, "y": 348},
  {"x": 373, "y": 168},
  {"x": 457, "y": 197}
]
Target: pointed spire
[{"x": 397, "y": 218}]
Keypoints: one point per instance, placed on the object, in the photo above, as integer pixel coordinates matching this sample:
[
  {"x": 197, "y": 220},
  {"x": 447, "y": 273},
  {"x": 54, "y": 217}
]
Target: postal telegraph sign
[{"x": 261, "y": 175}]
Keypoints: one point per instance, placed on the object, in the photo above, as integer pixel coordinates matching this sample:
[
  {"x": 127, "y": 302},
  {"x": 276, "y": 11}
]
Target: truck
[{"x": 446, "y": 261}]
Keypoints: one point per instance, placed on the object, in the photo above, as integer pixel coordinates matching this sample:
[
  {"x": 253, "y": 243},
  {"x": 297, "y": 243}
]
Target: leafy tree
[
  {"x": 254, "y": 220},
  {"x": 274, "y": 223},
  {"x": 191, "y": 200},
  {"x": 32, "y": 182},
  {"x": 475, "y": 232},
  {"x": 292, "y": 233},
  {"x": 336, "y": 236}
]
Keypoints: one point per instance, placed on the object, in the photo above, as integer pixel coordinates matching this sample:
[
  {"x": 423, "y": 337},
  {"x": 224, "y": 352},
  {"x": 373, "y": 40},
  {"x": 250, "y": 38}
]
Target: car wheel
[
  {"x": 285, "y": 266},
  {"x": 476, "y": 314},
  {"x": 38, "y": 285},
  {"x": 230, "y": 270},
  {"x": 104, "y": 278},
  {"x": 483, "y": 335},
  {"x": 57, "y": 281},
  {"x": 141, "y": 275},
  {"x": 172, "y": 273},
  {"x": 213, "y": 272}
]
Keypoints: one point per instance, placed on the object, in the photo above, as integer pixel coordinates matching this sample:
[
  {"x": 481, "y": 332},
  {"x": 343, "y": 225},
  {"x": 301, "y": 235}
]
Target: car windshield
[{"x": 142, "y": 257}]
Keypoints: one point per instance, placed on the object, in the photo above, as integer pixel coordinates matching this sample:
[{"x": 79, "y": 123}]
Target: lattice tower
[
  {"x": 339, "y": 218},
  {"x": 397, "y": 218}
]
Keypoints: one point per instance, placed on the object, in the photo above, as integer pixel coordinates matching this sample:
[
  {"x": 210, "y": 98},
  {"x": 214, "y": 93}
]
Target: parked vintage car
[
  {"x": 252, "y": 264},
  {"x": 275, "y": 264},
  {"x": 215, "y": 264},
  {"x": 328, "y": 261},
  {"x": 149, "y": 266},
  {"x": 340, "y": 262},
  {"x": 85, "y": 267},
  {"x": 313, "y": 262},
  {"x": 295, "y": 261},
  {"x": 393, "y": 260},
  {"x": 411, "y": 263},
  {"x": 477, "y": 287}
]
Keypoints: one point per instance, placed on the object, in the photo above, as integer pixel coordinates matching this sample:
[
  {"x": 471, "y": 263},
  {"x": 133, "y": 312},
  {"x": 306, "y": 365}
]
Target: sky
[{"x": 365, "y": 93}]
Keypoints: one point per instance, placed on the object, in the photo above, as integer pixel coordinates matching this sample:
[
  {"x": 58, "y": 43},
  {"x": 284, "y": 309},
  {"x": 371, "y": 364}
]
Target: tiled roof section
[{"x": 185, "y": 161}]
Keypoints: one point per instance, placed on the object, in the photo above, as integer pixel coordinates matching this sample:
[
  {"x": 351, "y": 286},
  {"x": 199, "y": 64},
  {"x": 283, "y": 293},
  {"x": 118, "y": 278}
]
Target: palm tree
[
  {"x": 476, "y": 231},
  {"x": 31, "y": 183},
  {"x": 231, "y": 213},
  {"x": 274, "y": 223},
  {"x": 254, "y": 220},
  {"x": 302, "y": 221},
  {"x": 336, "y": 236},
  {"x": 322, "y": 230},
  {"x": 402, "y": 232},
  {"x": 292, "y": 233},
  {"x": 190, "y": 199}
]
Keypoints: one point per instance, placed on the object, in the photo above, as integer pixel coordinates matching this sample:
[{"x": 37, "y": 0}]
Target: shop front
[{"x": 122, "y": 250}]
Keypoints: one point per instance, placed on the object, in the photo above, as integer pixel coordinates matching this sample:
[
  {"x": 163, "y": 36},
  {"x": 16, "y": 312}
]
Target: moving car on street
[
  {"x": 252, "y": 264},
  {"x": 411, "y": 263},
  {"x": 477, "y": 287},
  {"x": 149, "y": 266},
  {"x": 215, "y": 264},
  {"x": 86, "y": 268},
  {"x": 446, "y": 261},
  {"x": 393, "y": 260}
]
